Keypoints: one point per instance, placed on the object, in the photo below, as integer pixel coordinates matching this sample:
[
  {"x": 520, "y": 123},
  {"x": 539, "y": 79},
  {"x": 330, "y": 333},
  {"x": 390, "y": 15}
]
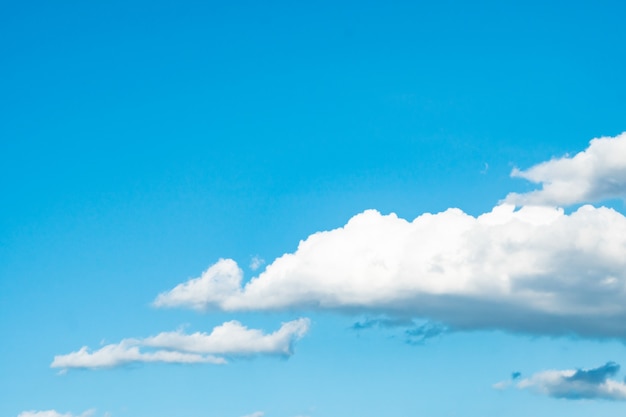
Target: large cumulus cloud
[
  {"x": 535, "y": 269},
  {"x": 525, "y": 266}
]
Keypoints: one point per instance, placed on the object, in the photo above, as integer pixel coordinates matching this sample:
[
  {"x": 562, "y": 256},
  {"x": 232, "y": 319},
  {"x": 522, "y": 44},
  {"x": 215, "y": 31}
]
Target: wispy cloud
[
  {"x": 595, "y": 174},
  {"x": 382, "y": 322},
  {"x": 420, "y": 334},
  {"x": 54, "y": 413},
  {"x": 515, "y": 376},
  {"x": 256, "y": 263},
  {"x": 227, "y": 340},
  {"x": 415, "y": 333},
  {"x": 577, "y": 384}
]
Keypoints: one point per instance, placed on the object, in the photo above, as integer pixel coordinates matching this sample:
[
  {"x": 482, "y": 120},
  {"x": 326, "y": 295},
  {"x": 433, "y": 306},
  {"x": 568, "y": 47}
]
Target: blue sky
[{"x": 147, "y": 144}]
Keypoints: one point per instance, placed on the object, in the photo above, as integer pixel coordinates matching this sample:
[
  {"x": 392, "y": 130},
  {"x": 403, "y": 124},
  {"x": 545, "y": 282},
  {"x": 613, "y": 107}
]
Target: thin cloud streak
[
  {"x": 53, "y": 413},
  {"x": 229, "y": 339}
]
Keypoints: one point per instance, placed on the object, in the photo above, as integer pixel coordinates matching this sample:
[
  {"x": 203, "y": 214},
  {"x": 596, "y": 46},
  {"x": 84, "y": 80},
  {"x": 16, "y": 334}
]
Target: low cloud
[
  {"x": 532, "y": 270},
  {"x": 53, "y": 413},
  {"x": 595, "y": 174},
  {"x": 255, "y": 414},
  {"x": 227, "y": 340},
  {"x": 578, "y": 384}
]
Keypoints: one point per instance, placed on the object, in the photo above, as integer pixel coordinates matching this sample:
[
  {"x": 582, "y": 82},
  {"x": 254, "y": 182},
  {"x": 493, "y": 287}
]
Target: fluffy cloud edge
[
  {"x": 231, "y": 339},
  {"x": 595, "y": 174}
]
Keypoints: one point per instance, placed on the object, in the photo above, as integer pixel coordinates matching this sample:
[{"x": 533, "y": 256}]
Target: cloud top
[
  {"x": 595, "y": 174},
  {"x": 228, "y": 339},
  {"x": 217, "y": 282}
]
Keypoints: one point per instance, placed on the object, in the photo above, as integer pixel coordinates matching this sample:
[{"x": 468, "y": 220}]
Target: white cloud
[
  {"x": 232, "y": 338},
  {"x": 501, "y": 385},
  {"x": 577, "y": 384},
  {"x": 125, "y": 352},
  {"x": 229, "y": 339},
  {"x": 534, "y": 270},
  {"x": 47, "y": 413},
  {"x": 53, "y": 413},
  {"x": 595, "y": 174},
  {"x": 215, "y": 283},
  {"x": 256, "y": 263}
]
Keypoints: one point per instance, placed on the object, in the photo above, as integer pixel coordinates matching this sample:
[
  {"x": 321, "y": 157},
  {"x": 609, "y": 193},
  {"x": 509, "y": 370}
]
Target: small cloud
[
  {"x": 256, "y": 262},
  {"x": 576, "y": 384},
  {"x": 502, "y": 385}
]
